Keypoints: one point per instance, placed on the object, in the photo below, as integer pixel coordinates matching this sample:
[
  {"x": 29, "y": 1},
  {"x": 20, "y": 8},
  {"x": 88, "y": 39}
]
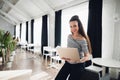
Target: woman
[{"x": 77, "y": 39}]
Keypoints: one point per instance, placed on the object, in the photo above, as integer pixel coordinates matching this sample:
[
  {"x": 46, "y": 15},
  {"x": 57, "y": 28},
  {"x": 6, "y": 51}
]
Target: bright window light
[
  {"x": 23, "y": 33},
  {"x": 80, "y": 10},
  {"x": 37, "y": 31}
]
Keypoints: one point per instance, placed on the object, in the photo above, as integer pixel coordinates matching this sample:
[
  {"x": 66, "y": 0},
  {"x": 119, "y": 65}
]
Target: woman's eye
[{"x": 74, "y": 26}]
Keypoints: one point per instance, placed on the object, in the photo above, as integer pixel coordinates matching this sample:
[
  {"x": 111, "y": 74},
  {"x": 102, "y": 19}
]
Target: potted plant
[
  {"x": 12, "y": 46},
  {"x": 7, "y": 45},
  {"x": 2, "y": 52}
]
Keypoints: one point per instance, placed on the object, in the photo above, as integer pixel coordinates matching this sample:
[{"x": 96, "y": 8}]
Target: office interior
[{"x": 43, "y": 25}]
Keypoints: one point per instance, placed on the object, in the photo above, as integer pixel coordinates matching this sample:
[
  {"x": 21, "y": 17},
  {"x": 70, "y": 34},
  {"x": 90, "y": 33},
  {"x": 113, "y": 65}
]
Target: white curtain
[
  {"x": 23, "y": 33},
  {"x": 29, "y": 32},
  {"x": 80, "y": 10},
  {"x": 17, "y": 31}
]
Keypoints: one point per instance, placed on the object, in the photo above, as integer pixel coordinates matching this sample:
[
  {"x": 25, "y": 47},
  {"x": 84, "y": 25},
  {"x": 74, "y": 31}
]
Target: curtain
[
  {"x": 95, "y": 27},
  {"x": 58, "y": 27},
  {"x": 15, "y": 31},
  {"x": 20, "y": 29},
  {"x": 32, "y": 31},
  {"x": 38, "y": 31},
  {"x": 23, "y": 33},
  {"x": 44, "y": 37},
  {"x": 27, "y": 31}
]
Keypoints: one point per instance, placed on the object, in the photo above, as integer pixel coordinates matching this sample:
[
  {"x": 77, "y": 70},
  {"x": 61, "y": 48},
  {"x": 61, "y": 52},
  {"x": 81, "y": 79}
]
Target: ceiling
[{"x": 18, "y": 11}]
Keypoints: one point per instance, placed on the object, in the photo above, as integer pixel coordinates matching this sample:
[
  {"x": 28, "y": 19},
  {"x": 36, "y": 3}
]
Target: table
[{"x": 106, "y": 63}]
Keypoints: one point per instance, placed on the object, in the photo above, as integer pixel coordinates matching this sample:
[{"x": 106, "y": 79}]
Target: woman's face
[{"x": 74, "y": 27}]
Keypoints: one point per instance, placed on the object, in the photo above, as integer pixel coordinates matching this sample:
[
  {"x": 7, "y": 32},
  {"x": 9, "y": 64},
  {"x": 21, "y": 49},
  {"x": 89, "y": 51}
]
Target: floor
[
  {"x": 40, "y": 69},
  {"x": 27, "y": 60}
]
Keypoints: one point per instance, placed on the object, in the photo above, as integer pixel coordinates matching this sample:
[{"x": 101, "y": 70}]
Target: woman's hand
[
  {"x": 82, "y": 60},
  {"x": 85, "y": 58}
]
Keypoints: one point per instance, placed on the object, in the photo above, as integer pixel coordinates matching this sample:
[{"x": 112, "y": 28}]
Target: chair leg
[
  {"x": 119, "y": 76},
  {"x": 42, "y": 58},
  {"x": 46, "y": 59},
  {"x": 50, "y": 61}
]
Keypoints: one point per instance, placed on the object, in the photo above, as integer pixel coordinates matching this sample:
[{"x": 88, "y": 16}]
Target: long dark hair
[{"x": 81, "y": 31}]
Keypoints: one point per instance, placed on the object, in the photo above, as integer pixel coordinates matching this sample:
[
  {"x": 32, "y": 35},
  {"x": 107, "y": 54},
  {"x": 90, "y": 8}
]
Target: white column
[{"x": 51, "y": 34}]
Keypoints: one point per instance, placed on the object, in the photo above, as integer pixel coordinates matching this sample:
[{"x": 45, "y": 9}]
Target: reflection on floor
[{"x": 27, "y": 60}]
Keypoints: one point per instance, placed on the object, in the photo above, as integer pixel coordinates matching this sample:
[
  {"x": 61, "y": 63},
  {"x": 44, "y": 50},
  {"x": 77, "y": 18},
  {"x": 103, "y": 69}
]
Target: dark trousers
[{"x": 75, "y": 71}]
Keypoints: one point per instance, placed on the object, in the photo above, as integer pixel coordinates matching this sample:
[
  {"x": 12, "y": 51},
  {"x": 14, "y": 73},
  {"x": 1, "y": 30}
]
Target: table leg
[{"x": 107, "y": 70}]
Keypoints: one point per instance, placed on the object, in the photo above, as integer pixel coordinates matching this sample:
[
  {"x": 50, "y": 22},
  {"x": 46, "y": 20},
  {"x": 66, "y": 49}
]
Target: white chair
[
  {"x": 37, "y": 50},
  {"x": 29, "y": 47},
  {"x": 55, "y": 60},
  {"x": 98, "y": 70},
  {"x": 94, "y": 68},
  {"x": 23, "y": 45},
  {"x": 46, "y": 48}
]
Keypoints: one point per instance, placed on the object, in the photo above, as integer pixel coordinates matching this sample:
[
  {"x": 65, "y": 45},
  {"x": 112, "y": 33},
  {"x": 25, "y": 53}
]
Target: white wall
[
  {"x": 4, "y": 25},
  {"x": 108, "y": 28},
  {"x": 116, "y": 51},
  {"x": 111, "y": 32}
]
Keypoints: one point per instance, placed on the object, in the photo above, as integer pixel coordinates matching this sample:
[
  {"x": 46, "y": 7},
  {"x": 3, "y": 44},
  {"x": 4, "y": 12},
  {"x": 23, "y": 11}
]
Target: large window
[
  {"x": 37, "y": 31},
  {"x": 18, "y": 31},
  {"x": 23, "y": 33},
  {"x": 80, "y": 10},
  {"x": 29, "y": 32}
]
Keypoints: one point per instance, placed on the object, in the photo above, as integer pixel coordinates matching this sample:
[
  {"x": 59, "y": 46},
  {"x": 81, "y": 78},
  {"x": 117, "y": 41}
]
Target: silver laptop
[{"x": 71, "y": 53}]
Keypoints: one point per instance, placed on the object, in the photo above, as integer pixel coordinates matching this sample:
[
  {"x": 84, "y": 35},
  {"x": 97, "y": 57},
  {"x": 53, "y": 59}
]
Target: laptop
[{"x": 71, "y": 53}]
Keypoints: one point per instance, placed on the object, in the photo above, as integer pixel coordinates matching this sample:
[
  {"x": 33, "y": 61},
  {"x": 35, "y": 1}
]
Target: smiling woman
[
  {"x": 77, "y": 39},
  {"x": 80, "y": 10}
]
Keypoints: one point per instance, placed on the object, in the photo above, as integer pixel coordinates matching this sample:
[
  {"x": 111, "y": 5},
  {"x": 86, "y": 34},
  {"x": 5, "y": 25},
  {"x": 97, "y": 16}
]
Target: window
[
  {"x": 18, "y": 31},
  {"x": 37, "y": 31},
  {"x": 23, "y": 33},
  {"x": 80, "y": 10}
]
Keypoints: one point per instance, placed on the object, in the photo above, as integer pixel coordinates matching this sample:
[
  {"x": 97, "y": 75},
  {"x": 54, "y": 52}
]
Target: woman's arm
[{"x": 85, "y": 58}]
